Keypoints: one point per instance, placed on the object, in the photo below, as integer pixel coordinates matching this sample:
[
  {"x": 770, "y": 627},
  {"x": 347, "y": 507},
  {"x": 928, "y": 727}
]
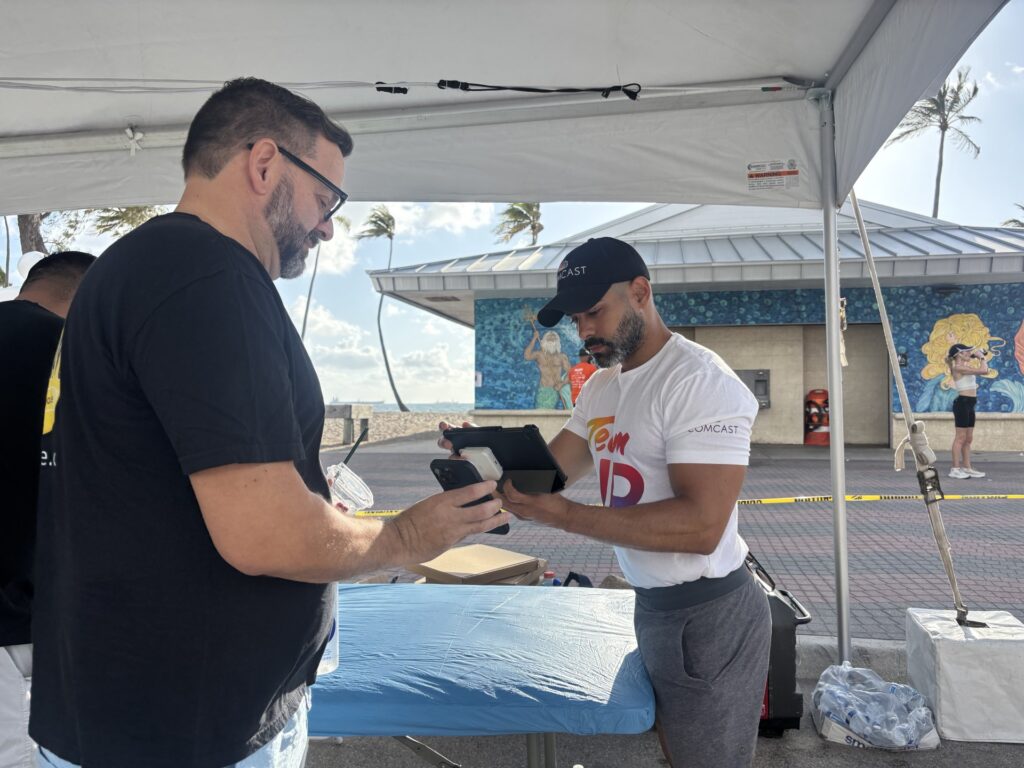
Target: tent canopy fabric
[{"x": 724, "y": 115}]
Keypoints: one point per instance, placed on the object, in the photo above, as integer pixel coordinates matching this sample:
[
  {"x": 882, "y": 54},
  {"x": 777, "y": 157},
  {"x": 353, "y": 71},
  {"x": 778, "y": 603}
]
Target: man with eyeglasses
[{"x": 185, "y": 523}]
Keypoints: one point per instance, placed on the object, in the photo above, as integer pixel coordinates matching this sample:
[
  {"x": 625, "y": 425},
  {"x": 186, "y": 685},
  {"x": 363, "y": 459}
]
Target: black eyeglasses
[{"x": 338, "y": 192}]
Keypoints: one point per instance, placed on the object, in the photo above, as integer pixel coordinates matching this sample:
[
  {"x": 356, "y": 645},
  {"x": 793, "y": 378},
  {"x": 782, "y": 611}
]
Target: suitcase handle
[{"x": 802, "y": 615}]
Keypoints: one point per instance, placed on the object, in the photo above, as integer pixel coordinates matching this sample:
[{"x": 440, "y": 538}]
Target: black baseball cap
[{"x": 587, "y": 273}]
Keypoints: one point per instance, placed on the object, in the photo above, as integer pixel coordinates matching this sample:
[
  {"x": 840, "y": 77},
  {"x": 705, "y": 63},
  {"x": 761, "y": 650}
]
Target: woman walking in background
[{"x": 965, "y": 364}]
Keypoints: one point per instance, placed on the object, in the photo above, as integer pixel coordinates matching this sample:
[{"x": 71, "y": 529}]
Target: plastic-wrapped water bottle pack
[{"x": 883, "y": 714}]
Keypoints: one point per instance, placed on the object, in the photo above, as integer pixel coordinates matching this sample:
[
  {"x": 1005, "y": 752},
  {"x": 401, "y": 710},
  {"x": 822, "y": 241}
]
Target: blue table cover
[{"x": 460, "y": 660}]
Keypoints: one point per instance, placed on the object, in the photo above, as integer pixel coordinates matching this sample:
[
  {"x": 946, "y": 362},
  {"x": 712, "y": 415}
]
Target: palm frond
[
  {"x": 121, "y": 221},
  {"x": 1015, "y": 222},
  {"x": 380, "y": 223},
  {"x": 908, "y": 132},
  {"x": 964, "y": 142},
  {"x": 519, "y": 217}
]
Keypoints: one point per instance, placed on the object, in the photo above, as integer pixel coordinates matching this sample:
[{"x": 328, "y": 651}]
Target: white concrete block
[{"x": 972, "y": 678}]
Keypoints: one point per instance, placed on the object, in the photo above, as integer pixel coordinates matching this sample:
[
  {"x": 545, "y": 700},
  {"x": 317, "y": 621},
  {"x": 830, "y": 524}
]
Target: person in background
[
  {"x": 580, "y": 372},
  {"x": 30, "y": 327},
  {"x": 187, "y": 528},
  {"x": 965, "y": 364}
]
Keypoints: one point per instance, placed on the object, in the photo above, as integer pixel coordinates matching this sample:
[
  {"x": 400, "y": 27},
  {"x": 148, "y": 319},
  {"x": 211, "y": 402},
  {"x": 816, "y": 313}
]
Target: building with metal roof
[{"x": 747, "y": 282}]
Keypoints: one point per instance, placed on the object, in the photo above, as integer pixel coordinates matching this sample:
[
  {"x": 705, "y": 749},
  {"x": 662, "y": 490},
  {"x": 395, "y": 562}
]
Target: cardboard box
[
  {"x": 531, "y": 579},
  {"x": 476, "y": 564}
]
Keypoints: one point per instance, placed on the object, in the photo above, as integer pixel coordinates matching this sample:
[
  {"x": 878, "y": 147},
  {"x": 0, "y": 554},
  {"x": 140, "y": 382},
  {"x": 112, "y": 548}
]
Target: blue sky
[{"x": 433, "y": 359}]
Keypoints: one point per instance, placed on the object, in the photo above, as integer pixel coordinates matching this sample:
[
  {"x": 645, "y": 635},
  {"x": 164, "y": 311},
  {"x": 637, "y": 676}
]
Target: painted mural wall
[{"x": 521, "y": 365}]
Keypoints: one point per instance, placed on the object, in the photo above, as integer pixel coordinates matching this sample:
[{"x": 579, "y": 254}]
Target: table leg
[
  {"x": 533, "y": 750},
  {"x": 550, "y": 752}
]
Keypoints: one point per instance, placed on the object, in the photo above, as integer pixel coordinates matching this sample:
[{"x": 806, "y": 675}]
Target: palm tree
[
  {"x": 1015, "y": 222},
  {"x": 121, "y": 221},
  {"x": 341, "y": 222},
  {"x": 519, "y": 217},
  {"x": 380, "y": 223},
  {"x": 55, "y": 230},
  {"x": 944, "y": 111}
]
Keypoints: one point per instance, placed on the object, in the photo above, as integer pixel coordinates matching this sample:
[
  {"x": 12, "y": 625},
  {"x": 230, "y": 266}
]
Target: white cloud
[
  {"x": 1016, "y": 69},
  {"x": 342, "y": 356},
  {"x": 337, "y": 255},
  {"x": 350, "y": 366},
  {"x": 991, "y": 80},
  {"x": 323, "y": 323},
  {"x": 434, "y": 374},
  {"x": 394, "y": 310},
  {"x": 429, "y": 327},
  {"x": 414, "y": 219}
]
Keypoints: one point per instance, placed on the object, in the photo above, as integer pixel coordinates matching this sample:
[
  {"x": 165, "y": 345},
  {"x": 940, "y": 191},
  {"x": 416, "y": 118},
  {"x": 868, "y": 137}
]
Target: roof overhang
[{"x": 780, "y": 260}]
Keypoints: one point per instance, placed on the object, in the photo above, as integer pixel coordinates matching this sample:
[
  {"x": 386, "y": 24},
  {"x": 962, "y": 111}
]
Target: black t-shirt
[
  {"x": 28, "y": 339},
  {"x": 150, "y": 649}
]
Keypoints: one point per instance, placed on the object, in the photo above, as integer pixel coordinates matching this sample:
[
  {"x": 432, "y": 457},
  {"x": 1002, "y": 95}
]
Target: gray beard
[
  {"x": 288, "y": 234},
  {"x": 629, "y": 335}
]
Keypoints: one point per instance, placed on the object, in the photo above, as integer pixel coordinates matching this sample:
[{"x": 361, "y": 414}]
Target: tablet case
[{"x": 521, "y": 451}]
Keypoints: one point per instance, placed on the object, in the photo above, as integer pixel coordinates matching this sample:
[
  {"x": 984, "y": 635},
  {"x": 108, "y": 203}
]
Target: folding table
[{"x": 462, "y": 660}]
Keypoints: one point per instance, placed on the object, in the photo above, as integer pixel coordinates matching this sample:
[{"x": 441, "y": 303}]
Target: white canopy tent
[{"x": 778, "y": 103}]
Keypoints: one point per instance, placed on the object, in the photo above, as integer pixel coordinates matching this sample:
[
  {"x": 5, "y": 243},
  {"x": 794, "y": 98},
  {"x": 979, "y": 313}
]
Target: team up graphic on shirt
[{"x": 603, "y": 439}]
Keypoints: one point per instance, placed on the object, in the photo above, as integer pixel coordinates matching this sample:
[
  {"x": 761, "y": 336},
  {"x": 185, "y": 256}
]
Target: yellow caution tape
[
  {"x": 879, "y": 497},
  {"x": 792, "y": 500}
]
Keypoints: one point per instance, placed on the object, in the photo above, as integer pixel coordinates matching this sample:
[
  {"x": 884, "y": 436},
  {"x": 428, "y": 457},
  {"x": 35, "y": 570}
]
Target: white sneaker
[
  {"x": 972, "y": 472},
  {"x": 958, "y": 473}
]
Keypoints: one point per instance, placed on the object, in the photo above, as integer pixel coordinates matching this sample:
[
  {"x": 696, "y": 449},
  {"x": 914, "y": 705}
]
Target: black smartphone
[{"x": 457, "y": 473}]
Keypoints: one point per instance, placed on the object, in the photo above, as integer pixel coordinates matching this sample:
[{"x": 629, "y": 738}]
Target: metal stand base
[{"x": 425, "y": 753}]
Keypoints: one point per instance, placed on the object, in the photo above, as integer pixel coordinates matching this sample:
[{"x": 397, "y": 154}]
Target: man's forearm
[
  {"x": 672, "y": 525},
  {"x": 323, "y": 544}
]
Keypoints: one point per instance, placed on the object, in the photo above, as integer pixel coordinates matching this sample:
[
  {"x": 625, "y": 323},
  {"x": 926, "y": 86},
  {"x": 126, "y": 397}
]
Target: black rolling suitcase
[{"x": 783, "y": 706}]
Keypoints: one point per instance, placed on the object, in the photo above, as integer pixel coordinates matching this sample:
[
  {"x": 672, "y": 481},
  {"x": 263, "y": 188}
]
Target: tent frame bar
[
  {"x": 833, "y": 340},
  {"x": 460, "y": 113}
]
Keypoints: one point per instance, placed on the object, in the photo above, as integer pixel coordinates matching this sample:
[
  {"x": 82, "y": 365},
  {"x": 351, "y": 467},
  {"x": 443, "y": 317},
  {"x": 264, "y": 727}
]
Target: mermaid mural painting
[{"x": 968, "y": 330}]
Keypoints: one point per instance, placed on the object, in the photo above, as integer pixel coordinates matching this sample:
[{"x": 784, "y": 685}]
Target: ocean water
[{"x": 425, "y": 407}]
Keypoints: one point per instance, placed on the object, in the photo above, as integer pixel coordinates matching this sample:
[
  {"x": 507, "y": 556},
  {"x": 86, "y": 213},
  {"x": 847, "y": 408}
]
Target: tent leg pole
[{"x": 837, "y": 452}]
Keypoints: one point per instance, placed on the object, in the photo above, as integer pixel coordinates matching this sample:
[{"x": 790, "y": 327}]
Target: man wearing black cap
[{"x": 666, "y": 424}]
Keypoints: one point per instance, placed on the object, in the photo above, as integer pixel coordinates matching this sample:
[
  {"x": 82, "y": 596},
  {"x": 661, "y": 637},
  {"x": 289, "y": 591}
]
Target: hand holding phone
[{"x": 456, "y": 473}]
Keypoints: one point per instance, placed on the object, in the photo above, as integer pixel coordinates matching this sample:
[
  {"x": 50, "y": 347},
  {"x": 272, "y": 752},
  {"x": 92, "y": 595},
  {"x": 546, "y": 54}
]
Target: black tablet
[{"x": 521, "y": 451}]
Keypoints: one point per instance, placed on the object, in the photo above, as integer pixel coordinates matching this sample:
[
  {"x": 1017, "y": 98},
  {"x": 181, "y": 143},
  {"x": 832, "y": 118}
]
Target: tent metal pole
[{"x": 837, "y": 452}]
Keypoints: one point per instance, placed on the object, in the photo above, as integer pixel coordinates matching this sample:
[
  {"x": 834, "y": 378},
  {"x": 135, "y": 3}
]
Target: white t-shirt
[{"x": 683, "y": 406}]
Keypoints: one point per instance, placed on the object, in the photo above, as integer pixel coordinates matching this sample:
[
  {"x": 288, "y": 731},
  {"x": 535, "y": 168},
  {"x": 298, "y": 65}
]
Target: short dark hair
[
  {"x": 62, "y": 271},
  {"x": 248, "y": 109}
]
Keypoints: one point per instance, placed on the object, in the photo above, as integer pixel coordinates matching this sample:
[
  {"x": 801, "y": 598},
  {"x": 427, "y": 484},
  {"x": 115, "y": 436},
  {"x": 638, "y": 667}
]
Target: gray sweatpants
[{"x": 708, "y": 663}]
